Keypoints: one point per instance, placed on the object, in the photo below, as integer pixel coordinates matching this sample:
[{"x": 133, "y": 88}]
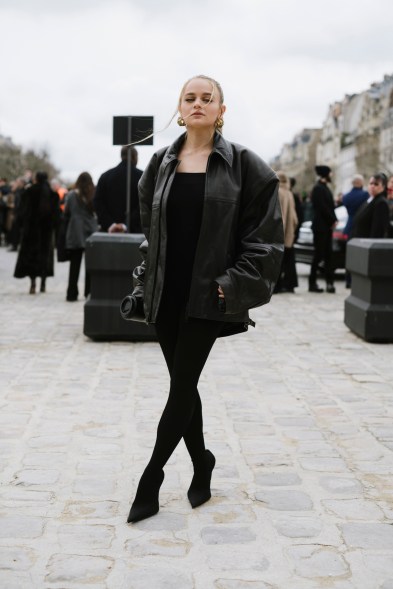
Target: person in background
[
  {"x": 324, "y": 221},
  {"x": 39, "y": 216},
  {"x": 372, "y": 220},
  {"x": 287, "y": 281},
  {"x": 61, "y": 191},
  {"x": 81, "y": 223},
  {"x": 18, "y": 188},
  {"x": 110, "y": 200},
  {"x": 298, "y": 206},
  {"x": 5, "y": 189},
  {"x": 354, "y": 199},
  {"x": 390, "y": 202}
]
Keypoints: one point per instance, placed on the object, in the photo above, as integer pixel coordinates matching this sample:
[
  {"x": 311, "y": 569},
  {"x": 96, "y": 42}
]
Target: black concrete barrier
[
  {"x": 369, "y": 308},
  {"x": 110, "y": 259}
]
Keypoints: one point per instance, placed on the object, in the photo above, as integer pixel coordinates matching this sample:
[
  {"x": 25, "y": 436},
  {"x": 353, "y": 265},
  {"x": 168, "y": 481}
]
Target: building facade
[{"x": 356, "y": 138}]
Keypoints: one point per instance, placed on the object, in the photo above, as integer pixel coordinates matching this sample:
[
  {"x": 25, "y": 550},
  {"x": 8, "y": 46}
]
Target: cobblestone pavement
[{"x": 298, "y": 413}]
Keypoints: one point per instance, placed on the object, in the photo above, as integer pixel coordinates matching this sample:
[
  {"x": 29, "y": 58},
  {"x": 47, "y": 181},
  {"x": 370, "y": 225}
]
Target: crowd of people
[
  {"x": 38, "y": 216},
  {"x": 32, "y": 210}
]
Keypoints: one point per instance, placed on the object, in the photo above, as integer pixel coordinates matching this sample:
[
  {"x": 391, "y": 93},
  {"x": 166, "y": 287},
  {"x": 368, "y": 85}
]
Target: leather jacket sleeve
[
  {"x": 250, "y": 281},
  {"x": 138, "y": 274}
]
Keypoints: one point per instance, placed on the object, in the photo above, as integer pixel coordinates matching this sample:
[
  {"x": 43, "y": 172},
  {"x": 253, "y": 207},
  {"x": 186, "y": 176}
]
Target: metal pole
[{"x": 129, "y": 172}]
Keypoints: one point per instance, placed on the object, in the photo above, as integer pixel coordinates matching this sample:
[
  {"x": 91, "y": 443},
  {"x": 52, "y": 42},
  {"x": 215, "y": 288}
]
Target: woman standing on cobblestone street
[{"x": 214, "y": 242}]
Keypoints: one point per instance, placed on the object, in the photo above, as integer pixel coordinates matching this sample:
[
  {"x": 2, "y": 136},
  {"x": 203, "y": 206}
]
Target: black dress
[{"x": 184, "y": 217}]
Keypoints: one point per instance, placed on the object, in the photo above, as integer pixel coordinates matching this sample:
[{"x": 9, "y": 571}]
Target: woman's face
[
  {"x": 375, "y": 186},
  {"x": 198, "y": 107}
]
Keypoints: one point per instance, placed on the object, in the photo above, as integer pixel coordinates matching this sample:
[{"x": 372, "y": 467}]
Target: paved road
[{"x": 298, "y": 413}]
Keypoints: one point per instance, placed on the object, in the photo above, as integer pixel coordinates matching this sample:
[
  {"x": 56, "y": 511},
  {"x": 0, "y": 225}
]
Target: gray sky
[{"x": 68, "y": 66}]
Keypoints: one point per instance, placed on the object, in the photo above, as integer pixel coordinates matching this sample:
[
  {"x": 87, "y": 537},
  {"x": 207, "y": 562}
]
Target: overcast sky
[{"x": 68, "y": 66}]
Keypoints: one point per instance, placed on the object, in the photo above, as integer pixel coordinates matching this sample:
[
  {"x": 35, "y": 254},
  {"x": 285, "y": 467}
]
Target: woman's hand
[{"x": 221, "y": 293}]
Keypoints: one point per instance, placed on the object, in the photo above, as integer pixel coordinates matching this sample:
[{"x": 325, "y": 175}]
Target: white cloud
[{"x": 71, "y": 66}]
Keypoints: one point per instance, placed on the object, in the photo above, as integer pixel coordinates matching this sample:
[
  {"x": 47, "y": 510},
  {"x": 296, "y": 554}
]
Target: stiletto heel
[
  {"x": 199, "y": 491},
  {"x": 146, "y": 499}
]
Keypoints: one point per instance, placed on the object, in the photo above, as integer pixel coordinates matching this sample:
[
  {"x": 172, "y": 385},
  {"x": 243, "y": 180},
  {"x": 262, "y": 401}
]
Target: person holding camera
[{"x": 213, "y": 249}]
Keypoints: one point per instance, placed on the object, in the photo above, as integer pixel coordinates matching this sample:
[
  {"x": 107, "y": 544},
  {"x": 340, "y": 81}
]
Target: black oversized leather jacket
[{"x": 240, "y": 244}]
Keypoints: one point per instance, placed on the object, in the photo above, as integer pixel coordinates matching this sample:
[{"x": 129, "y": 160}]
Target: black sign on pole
[
  {"x": 140, "y": 127},
  {"x": 131, "y": 130}
]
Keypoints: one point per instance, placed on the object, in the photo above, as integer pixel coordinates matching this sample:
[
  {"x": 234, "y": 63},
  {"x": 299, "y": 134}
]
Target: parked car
[{"x": 304, "y": 247}]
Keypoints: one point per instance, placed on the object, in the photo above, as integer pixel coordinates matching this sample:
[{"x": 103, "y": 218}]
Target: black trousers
[
  {"x": 186, "y": 344},
  {"x": 322, "y": 253},
  {"x": 73, "y": 276}
]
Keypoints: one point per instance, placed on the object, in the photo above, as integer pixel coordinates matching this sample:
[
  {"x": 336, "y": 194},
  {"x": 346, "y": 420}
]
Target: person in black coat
[
  {"x": 39, "y": 216},
  {"x": 324, "y": 221},
  {"x": 214, "y": 244},
  {"x": 110, "y": 200},
  {"x": 373, "y": 218}
]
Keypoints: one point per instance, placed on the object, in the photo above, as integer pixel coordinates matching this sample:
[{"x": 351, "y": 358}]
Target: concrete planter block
[
  {"x": 369, "y": 308},
  {"x": 110, "y": 259}
]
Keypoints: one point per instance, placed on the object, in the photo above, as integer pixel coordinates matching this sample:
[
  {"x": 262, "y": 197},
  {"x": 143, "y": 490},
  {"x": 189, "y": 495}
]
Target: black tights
[{"x": 186, "y": 345}]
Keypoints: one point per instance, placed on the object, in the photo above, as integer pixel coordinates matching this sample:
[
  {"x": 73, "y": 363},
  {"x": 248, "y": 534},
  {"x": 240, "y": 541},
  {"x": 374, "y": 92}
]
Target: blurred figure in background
[
  {"x": 110, "y": 200},
  {"x": 390, "y": 202},
  {"x": 81, "y": 223},
  {"x": 287, "y": 281},
  {"x": 5, "y": 189},
  {"x": 324, "y": 221},
  {"x": 372, "y": 219},
  {"x": 17, "y": 189},
  {"x": 353, "y": 200},
  {"x": 298, "y": 206},
  {"x": 38, "y": 215}
]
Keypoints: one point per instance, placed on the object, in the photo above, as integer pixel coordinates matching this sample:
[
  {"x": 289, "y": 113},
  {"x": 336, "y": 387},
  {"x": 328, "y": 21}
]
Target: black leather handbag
[{"x": 131, "y": 308}]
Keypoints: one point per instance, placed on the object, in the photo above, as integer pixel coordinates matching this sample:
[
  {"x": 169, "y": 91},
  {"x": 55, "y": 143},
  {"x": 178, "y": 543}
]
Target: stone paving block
[
  {"x": 42, "y": 459},
  {"x": 241, "y": 584},
  {"x": 237, "y": 557},
  {"x": 163, "y": 545},
  {"x": 388, "y": 584},
  {"x": 85, "y": 537},
  {"x": 21, "y": 526},
  {"x": 226, "y": 514},
  {"x": 314, "y": 561},
  {"x": 285, "y": 500},
  {"x": 378, "y": 536},
  {"x": 322, "y": 464},
  {"x": 36, "y": 477},
  {"x": 298, "y": 527},
  {"x": 48, "y": 442},
  {"x": 341, "y": 485},
  {"x": 94, "y": 487},
  {"x": 354, "y": 509},
  {"x": 171, "y": 522},
  {"x": 15, "y": 558},
  {"x": 278, "y": 479},
  {"x": 91, "y": 509},
  {"x": 227, "y": 535},
  {"x": 157, "y": 577},
  {"x": 71, "y": 568}
]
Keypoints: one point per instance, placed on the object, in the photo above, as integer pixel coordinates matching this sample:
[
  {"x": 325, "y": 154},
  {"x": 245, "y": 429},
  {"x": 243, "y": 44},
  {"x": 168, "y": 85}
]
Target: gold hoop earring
[
  {"x": 181, "y": 122},
  {"x": 219, "y": 123}
]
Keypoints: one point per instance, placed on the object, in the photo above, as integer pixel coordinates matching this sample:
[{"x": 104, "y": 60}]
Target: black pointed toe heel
[
  {"x": 199, "y": 491},
  {"x": 146, "y": 500}
]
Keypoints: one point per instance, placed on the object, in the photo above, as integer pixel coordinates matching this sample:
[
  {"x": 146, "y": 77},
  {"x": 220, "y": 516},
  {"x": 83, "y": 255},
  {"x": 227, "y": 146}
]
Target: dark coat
[
  {"x": 353, "y": 200},
  {"x": 81, "y": 221},
  {"x": 241, "y": 239},
  {"x": 110, "y": 199},
  {"x": 38, "y": 215},
  {"x": 323, "y": 208},
  {"x": 372, "y": 219}
]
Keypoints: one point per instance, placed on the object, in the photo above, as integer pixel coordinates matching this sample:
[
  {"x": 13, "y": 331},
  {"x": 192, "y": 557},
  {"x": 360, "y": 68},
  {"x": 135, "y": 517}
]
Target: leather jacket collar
[{"x": 220, "y": 146}]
